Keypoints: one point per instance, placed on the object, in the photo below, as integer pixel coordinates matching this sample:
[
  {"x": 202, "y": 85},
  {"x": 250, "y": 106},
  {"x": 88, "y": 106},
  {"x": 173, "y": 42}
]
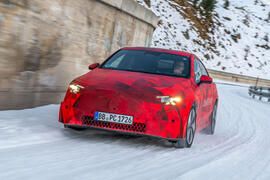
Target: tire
[
  {"x": 76, "y": 128},
  {"x": 213, "y": 119},
  {"x": 190, "y": 132}
]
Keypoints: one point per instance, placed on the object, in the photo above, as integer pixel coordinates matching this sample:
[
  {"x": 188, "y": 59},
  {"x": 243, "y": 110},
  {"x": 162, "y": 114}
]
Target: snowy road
[{"x": 33, "y": 145}]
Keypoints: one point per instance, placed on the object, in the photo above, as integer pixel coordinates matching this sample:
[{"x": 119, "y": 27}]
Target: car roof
[{"x": 181, "y": 53}]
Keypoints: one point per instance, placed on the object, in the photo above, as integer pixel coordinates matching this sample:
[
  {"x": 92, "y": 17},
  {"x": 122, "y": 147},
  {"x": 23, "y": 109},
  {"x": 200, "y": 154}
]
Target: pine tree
[
  {"x": 226, "y": 4},
  {"x": 195, "y": 3},
  {"x": 208, "y": 6}
]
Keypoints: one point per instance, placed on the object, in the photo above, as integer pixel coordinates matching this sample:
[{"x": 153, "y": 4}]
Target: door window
[
  {"x": 203, "y": 69},
  {"x": 197, "y": 71},
  {"x": 200, "y": 70}
]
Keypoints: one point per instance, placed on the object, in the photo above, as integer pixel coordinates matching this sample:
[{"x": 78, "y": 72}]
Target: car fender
[{"x": 185, "y": 109}]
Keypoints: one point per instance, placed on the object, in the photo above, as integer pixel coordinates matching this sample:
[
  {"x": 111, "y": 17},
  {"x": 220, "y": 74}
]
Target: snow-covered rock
[{"x": 238, "y": 42}]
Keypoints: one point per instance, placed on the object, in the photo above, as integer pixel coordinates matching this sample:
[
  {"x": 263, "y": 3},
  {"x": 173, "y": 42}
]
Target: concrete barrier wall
[
  {"x": 239, "y": 78},
  {"x": 45, "y": 44}
]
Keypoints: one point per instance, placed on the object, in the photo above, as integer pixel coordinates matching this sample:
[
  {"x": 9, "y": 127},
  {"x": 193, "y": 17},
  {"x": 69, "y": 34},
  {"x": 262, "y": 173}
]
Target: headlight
[
  {"x": 170, "y": 100},
  {"x": 75, "y": 88}
]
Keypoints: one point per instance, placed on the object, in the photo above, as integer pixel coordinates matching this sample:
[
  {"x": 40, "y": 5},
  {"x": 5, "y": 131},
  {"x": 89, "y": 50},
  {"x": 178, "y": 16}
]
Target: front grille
[{"x": 135, "y": 127}]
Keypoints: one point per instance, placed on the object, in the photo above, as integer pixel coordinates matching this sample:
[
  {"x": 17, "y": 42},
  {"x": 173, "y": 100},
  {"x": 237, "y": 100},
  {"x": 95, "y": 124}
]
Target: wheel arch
[{"x": 185, "y": 119}]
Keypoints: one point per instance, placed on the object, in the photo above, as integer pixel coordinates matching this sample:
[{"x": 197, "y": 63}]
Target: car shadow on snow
[{"x": 117, "y": 138}]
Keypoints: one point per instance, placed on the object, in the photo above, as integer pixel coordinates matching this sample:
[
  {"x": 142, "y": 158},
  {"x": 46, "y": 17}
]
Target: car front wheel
[
  {"x": 213, "y": 118},
  {"x": 190, "y": 132}
]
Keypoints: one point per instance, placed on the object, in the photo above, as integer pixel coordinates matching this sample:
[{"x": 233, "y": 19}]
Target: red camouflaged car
[{"x": 147, "y": 91}]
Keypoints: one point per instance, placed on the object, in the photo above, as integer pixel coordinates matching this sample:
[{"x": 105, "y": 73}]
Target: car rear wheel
[
  {"x": 211, "y": 128},
  {"x": 190, "y": 132}
]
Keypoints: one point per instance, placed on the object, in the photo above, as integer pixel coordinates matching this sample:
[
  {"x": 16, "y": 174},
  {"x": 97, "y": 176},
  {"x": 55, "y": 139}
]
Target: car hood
[{"x": 136, "y": 83}]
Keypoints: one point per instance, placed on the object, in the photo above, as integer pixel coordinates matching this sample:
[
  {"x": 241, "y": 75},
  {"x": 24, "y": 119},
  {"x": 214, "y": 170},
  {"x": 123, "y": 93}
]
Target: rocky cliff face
[
  {"x": 234, "y": 37},
  {"x": 46, "y": 44}
]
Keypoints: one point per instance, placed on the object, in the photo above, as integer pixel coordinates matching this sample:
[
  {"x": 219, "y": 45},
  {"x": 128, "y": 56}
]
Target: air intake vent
[{"x": 135, "y": 127}]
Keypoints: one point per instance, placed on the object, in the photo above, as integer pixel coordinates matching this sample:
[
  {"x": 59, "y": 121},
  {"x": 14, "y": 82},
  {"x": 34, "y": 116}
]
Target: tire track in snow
[
  {"x": 248, "y": 166},
  {"x": 234, "y": 152},
  {"x": 216, "y": 153}
]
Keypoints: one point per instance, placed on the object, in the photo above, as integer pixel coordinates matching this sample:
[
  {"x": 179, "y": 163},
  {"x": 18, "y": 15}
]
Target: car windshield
[{"x": 149, "y": 62}]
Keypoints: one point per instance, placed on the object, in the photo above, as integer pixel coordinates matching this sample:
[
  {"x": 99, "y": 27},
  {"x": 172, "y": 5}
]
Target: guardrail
[
  {"x": 237, "y": 78},
  {"x": 261, "y": 92}
]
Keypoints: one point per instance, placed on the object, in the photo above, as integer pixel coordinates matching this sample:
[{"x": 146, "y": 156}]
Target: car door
[
  {"x": 199, "y": 94},
  {"x": 206, "y": 96}
]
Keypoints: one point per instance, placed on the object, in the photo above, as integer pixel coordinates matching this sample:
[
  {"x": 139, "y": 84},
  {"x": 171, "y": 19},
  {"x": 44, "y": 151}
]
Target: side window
[
  {"x": 203, "y": 70},
  {"x": 197, "y": 71}
]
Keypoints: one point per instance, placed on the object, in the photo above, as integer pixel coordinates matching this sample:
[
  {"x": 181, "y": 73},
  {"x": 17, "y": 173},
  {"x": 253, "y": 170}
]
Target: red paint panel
[{"x": 134, "y": 94}]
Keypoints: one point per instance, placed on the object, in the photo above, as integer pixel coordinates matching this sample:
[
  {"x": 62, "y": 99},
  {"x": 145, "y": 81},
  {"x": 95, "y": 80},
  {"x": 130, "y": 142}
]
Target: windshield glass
[{"x": 149, "y": 62}]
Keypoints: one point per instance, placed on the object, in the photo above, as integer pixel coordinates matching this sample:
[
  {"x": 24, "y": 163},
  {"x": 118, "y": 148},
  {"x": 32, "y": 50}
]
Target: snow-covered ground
[
  {"x": 239, "y": 40},
  {"x": 33, "y": 145}
]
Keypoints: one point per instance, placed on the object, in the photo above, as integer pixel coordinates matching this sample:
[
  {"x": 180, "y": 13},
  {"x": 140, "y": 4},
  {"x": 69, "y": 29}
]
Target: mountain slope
[{"x": 236, "y": 38}]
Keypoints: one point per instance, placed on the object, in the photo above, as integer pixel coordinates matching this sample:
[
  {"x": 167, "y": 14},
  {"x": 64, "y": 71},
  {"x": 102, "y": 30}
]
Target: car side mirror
[
  {"x": 206, "y": 79},
  {"x": 93, "y": 66}
]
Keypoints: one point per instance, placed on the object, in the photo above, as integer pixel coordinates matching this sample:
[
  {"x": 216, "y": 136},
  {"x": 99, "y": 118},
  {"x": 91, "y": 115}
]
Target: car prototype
[{"x": 144, "y": 91}]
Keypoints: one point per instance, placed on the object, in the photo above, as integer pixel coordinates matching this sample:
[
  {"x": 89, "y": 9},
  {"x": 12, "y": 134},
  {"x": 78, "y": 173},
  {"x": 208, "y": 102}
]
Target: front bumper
[
  {"x": 164, "y": 123},
  {"x": 122, "y": 132}
]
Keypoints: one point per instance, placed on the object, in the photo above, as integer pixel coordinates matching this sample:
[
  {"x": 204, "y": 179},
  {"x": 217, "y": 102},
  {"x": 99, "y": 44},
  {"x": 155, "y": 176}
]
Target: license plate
[{"x": 115, "y": 118}]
